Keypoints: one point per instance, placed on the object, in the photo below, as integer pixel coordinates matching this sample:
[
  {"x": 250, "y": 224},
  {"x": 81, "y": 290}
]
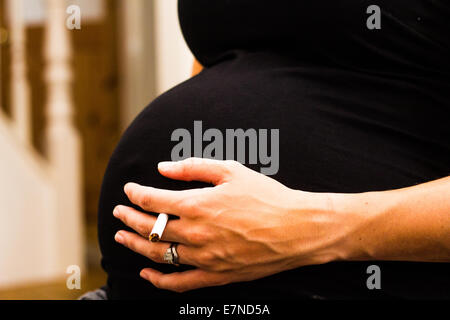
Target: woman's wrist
[
  {"x": 362, "y": 213},
  {"x": 347, "y": 219},
  {"x": 409, "y": 224}
]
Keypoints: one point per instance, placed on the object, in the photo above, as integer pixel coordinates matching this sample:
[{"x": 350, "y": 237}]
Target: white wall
[
  {"x": 153, "y": 54},
  {"x": 28, "y": 253},
  {"x": 173, "y": 58}
]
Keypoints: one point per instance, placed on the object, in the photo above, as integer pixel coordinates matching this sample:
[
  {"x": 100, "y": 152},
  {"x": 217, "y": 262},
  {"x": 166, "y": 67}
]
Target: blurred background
[{"x": 67, "y": 93}]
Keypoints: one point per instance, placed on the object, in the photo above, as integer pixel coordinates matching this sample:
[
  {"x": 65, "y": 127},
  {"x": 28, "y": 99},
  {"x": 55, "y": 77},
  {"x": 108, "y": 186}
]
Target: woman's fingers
[
  {"x": 198, "y": 169},
  {"x": 182, "y": 203},
  {"x": 154, "y": 250},
  {"x": 143, "y": 223},
  {"x": 160, "y": 200},
  {"x": 184, "y": 281}
]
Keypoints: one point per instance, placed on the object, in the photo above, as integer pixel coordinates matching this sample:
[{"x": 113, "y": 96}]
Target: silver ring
[
  {"x": 175, "y": 254},
  {"x": 171, "y": 255}
]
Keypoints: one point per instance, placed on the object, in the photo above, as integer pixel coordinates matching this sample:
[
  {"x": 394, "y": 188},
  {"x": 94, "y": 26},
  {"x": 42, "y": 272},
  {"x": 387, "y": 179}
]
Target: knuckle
[
  {"x": 129, "y": 192},
  {"x": 222, "y": 281},
  {"x": 154, "y": 255},
  {"x": 188, "y": 165},
  {"x": 189, "y": 161},
  {"x": 193, "y": 237},
  {"x": 157, "y": 283},
  {"x": 188, "y": 203},
  {"x": 231, "y": 166},
  {"x": 125, "y": 219},
  {"x": 198, "y": 236},
  {"x": 145, "y": 202},
  {"x": 195, "y": 161},
  {"x": 179, "y": 289},
  {"x": 134, "y": 247},
  {"x": 219, "y": 263},
  {"x": 126, "y": 242},
  {"x": 208, "y": 261},
  {"x": 141, "y": 228}
]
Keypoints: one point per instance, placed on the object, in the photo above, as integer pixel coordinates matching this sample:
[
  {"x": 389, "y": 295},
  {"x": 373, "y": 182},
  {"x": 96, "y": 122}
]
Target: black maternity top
[{"x": 358, "y": 109}]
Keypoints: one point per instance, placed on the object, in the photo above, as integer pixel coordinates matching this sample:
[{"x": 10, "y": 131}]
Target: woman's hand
[{"x": 246, "y": 227}]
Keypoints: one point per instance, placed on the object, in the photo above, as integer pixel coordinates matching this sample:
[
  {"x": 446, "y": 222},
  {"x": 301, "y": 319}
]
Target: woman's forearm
[{"x": 409, "y": 224}]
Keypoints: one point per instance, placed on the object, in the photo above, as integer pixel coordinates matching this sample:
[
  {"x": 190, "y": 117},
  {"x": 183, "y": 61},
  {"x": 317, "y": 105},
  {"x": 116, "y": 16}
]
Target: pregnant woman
[{"x": 359, "y": 203}]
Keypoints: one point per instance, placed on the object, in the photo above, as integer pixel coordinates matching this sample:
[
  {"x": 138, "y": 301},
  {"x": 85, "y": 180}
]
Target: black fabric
[{"x": 358, "y": 110}]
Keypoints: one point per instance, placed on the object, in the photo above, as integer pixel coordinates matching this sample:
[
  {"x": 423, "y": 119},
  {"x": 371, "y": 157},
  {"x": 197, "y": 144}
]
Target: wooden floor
[
  {"x": 92, "y": 279},
  {"x": 56, "y": 290}
]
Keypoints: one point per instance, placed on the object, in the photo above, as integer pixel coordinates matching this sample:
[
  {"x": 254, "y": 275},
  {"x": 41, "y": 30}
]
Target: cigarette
[{"x": 158, "y": 228}]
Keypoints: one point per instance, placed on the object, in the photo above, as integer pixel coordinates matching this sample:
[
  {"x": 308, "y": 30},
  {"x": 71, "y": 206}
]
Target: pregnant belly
[
  {"x": 329, "y": 137},
  {"x": 320, "y": 129}
]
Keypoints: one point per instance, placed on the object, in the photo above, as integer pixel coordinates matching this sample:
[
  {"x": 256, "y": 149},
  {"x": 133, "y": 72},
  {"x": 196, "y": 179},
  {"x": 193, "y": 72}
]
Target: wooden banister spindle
[
  {"x": 20, "y": 90},
  {"x": 63, "y": 142}
]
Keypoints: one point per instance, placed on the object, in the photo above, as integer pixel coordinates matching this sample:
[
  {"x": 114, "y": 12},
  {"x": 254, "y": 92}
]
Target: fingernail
[
  {"x": 165, "y": 165},
  {"x": 116, "y": 212},
  {"x": 126, "y": 186},
  {"x": 118, "y": 237},
  {"x": 144, "y": 275}
]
